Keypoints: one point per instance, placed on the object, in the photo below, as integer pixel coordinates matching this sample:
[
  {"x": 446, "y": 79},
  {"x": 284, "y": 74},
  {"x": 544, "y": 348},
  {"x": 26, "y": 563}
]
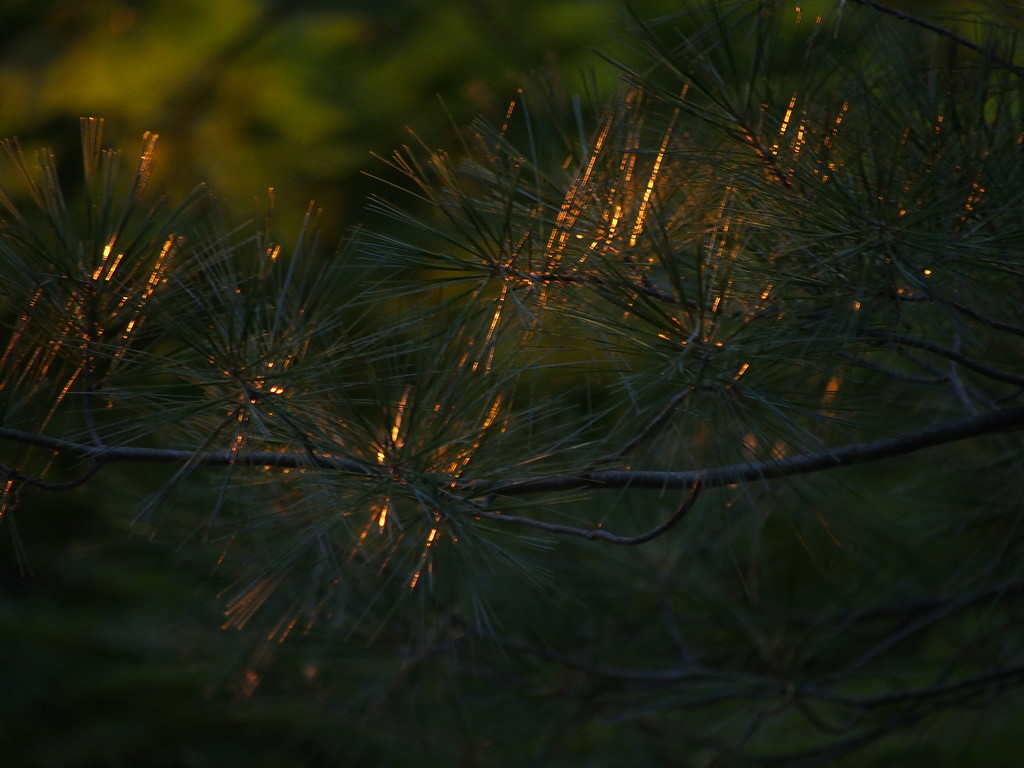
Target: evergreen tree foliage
[{"x": 681, "y": 433}]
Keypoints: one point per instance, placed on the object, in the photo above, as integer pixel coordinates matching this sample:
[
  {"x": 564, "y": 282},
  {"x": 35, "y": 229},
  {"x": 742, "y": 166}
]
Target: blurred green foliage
[
  {"x": 292, "y": 95},
  {"x": 248, "y": 95}
]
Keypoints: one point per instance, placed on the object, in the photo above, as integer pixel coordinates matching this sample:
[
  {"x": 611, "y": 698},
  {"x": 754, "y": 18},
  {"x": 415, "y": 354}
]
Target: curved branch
[
  {"x": 10, "y": 473},
  {"x": 599, "y": 533}
]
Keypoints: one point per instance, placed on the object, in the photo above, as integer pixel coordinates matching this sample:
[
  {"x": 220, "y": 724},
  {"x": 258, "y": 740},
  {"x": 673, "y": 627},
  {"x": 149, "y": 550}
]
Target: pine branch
[
  {"x": 139, "y": 455},
  {"x": 800, "y": 464},
  {"x": 714, "y": 477}
]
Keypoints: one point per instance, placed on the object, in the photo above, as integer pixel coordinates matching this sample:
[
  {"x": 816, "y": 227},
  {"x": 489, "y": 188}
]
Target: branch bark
[
  {"x": 801, "y": 464},
  {"x": 805, "y": 463}
]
